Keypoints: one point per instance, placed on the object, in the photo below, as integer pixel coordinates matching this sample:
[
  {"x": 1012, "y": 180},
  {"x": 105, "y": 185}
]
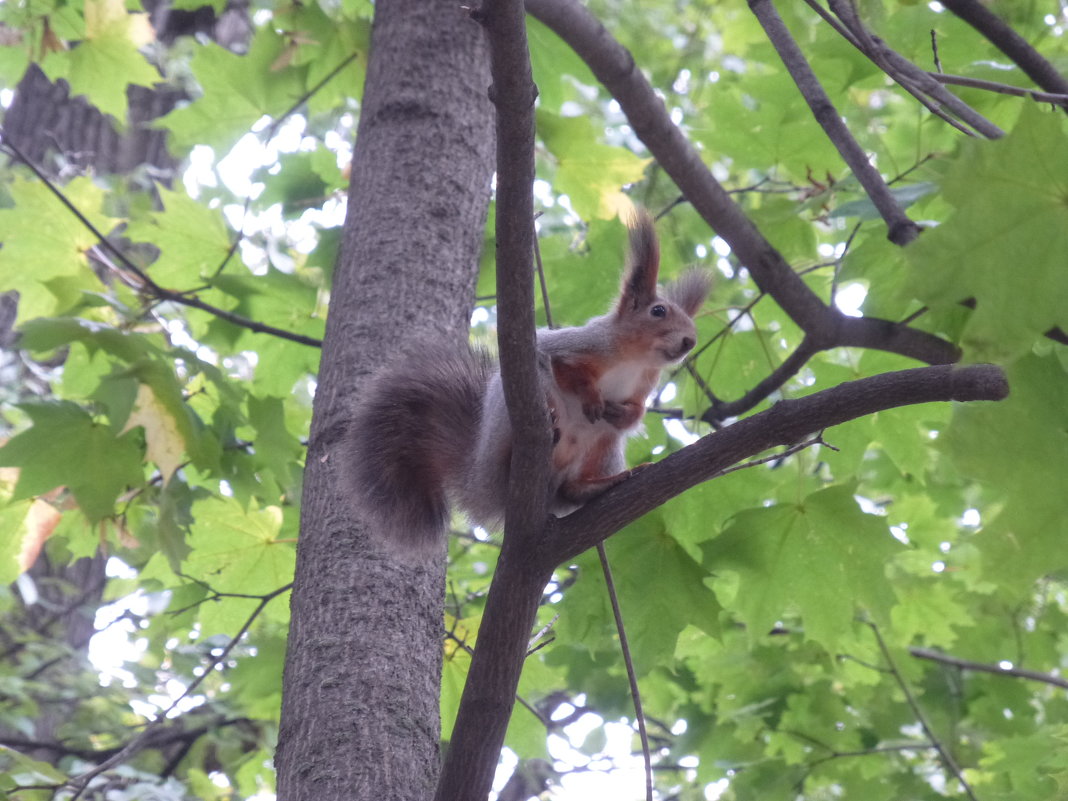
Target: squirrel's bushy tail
[{"x": 410, "y": 443}]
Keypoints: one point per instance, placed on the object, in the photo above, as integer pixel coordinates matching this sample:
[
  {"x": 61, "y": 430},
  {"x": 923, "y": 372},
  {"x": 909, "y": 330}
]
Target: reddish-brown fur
[{"x": 434, "y": 428}]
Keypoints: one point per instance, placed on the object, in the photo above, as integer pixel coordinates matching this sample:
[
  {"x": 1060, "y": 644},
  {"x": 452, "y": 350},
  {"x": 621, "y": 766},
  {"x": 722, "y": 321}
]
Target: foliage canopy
[{"x": 881, "y": 614}]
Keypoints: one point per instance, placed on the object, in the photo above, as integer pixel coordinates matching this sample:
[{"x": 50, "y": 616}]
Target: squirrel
[{"x": 434, "y": 427}]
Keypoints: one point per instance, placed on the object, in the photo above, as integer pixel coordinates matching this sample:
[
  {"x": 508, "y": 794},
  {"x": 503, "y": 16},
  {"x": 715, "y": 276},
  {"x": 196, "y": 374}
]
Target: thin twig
[
  {"x": 272, "y": 129},
  {"x": 147, "y": 284},
  {"x": 546, "y": 722},
  {"x": 1003, "y": 37},
  {"x": 900, "y": 229},
  {"x": 943, "y": 752},
  {"x": 982, "y": 667},
  {"x": 934, "y": 51},
  {"x": 635, "y": 693},
  {"x": 717, "y": 413},
  {"x": 1001, "y": 88},
  {"x": 910, "y": 77},
  {"x": 304, "y": 98},
  {"x": 777, "y": 457},
  {"x": 82, "y": 782},
  {"x": 541, "y": 279}
]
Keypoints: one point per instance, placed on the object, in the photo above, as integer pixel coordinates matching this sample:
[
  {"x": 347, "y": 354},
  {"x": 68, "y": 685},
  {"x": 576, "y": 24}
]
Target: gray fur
[
  {"x": 643, "y": 264},
  {"x": 434, "y": 427},
  {"x": 410, "y": 444},
  {"x": 690, "y": 289}
]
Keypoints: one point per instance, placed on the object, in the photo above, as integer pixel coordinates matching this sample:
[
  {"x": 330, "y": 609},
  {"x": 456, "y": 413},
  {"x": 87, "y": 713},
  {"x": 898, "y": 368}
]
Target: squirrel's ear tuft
[
  {"x": 643, "y": 264},
  {"x": 690, "y": 289}
]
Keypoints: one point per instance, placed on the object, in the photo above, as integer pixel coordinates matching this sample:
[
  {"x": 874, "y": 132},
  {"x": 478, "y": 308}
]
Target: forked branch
[
  {"x": 1005, "y": 39},
  {"x": 901, "y": 230},
  {"x": 827, "y": 326}
]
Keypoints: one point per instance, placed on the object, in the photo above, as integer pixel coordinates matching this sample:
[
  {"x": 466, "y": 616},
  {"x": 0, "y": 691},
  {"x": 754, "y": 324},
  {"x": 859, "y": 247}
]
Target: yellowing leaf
[
  {"x": 105, "y": 18},
  {"x": 591, "y": 174},
  {"x": 25, "y": 525},
  {"x": 24, "y": 528},
  {"x": 165, "y": 444},
  {"x": 107, "y": 60}
]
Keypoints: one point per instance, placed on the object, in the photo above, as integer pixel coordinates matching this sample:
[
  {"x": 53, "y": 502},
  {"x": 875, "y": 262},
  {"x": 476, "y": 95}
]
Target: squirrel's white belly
[{"x": 619, "y": 383}]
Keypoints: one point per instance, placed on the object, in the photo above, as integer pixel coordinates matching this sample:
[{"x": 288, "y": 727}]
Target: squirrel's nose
[{"x": 688, "y": 343}]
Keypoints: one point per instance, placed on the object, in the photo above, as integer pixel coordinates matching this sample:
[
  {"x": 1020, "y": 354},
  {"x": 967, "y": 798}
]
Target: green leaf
[
  {"x": 276, "y": 449},
  {"x": 46, "y": 334},
  {"x": 323, "y": 42},
  {"x": 778, "y": 130},
  {"x": 822, "y": 559},
  {"x": 142, "y": 360},
  {"x": 1011, "y": 215},
  {"x": 35, "y": 254},
  {"x": 555, "y": 66},
  {"x": 591, "y": 174},
  {"x": 193, "y": 239},
  {"x": 584, "y": 281},
  {"x": 238, "y": 550},
  {"x": 237, "y": 91},
  {"x": 25, "y": 771},
  {"x": 643, "y": 555},
  {"x": 905, "y": 195},
  {"x": 65, "y": 447},
  {"x": 1019, "y": 449},
  {"x": 1033, "y": 766},
  {"x": 295, "y": 182}
]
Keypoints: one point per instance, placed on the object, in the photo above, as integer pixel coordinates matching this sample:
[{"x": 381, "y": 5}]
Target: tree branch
[
  {"x": 997, "y": 670},
  {"x": 900, "y": 229},
  {"x": 913, "y": 79},
  {"x": 943, "y": 752},
  {"x": 1005, "y": 39},
  {"x": 615, "y": 68},
  {"x": 512, "y": 603},
  {"x": 1001, "y": 88},
  {"x": 146, "y": 283},
  {"x": 786, "y": 422}
]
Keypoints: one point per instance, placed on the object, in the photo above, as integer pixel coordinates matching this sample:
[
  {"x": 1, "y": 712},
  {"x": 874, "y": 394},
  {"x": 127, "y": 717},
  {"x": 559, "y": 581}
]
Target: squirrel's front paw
[
  {"x": 593, "y": 411},
  {"x": 623, "y": 414}
]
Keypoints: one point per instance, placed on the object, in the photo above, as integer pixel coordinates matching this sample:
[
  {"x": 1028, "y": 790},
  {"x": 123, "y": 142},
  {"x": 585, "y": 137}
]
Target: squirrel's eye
[{"x": 658, "y": 311}]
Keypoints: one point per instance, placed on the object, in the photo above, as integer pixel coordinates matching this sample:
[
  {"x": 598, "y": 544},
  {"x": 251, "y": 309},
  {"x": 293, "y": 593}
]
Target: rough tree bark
[{"x": 360, "y": 710}]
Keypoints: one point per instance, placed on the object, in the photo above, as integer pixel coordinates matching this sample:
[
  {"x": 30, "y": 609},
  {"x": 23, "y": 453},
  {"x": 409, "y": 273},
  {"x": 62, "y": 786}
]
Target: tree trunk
[{"x": 360, "y": 700}]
